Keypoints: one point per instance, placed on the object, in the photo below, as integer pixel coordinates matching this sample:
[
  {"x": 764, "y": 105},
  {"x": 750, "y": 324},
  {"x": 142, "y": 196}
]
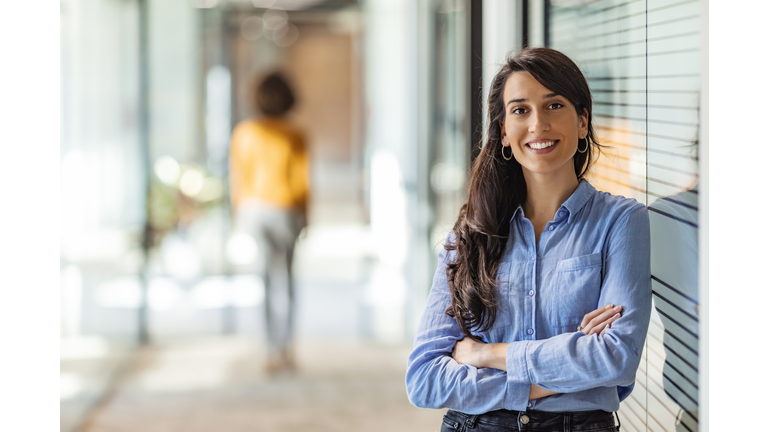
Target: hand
[
  {"x": 467, "y": 351},
  {"x": 599, "y": 320},
  {"x": 537, "y": 392}
]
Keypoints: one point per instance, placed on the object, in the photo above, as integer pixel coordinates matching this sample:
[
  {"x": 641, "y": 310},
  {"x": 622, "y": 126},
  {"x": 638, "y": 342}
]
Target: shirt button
[
  {"x": 530, "y": 404},
  {"x": 530, "y": 292},
  {"x": 551, "y": 227},
  {"x": 560, "y": 214},
  {"x": 533, "y": 258},
  {"x": 530, "y": 331}
]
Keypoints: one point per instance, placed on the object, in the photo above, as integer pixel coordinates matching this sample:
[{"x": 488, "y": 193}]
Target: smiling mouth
[{"x": 541, "y": 144}]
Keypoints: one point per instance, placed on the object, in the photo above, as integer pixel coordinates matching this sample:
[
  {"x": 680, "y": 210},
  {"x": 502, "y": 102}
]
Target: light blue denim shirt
[{"x": 595, "y": 252}]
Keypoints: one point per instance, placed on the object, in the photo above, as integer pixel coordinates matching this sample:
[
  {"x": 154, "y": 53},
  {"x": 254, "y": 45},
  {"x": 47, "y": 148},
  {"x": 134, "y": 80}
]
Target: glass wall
[
  {"x": 102, "y": 196},
  {"x": 200, "y": 60},
  {"x": 364, "y": 104},
  {"x": 451, "y": 140},
  {"x": 641, "y": 61}
]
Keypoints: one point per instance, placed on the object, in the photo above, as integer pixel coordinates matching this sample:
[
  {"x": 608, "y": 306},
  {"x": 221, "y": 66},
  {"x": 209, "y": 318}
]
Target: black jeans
[{"x": 534, "y": 421}]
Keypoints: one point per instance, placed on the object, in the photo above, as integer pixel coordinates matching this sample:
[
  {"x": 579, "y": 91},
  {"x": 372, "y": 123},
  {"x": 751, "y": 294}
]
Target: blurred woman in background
[
  {"x": 521, "y": 330},
  {"x": 269, "y": 189}
]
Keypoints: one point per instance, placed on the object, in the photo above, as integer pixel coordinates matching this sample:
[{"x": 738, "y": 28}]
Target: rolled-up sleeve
[
  {"x": 572, "y": 362},
  {"x": 434, "y": 380}
]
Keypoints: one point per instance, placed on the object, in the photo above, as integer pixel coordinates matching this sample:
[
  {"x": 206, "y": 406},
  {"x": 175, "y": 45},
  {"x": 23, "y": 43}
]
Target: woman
[
  {"x": 520, "y": 329},
  {"x": 269, "y": 188}
]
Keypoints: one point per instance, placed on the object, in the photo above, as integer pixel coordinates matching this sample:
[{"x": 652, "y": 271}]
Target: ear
[
  {"x": 583, "y": 124},
  {"x": 503, "y": 132}
]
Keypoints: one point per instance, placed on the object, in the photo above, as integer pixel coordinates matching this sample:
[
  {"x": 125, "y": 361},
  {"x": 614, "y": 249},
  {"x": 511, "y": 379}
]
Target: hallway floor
[{"x": 218, "y": 385}]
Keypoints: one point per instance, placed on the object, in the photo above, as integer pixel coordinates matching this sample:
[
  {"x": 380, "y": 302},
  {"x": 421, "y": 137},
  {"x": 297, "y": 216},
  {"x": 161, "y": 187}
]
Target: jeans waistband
[{"x": 575, "y": 421}]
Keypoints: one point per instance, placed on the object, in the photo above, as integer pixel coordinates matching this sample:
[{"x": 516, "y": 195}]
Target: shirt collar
[
  {"x": 580, "y": 196},
  {"x": 519, "y": 209},
  {"x": 574, "y": 203}
]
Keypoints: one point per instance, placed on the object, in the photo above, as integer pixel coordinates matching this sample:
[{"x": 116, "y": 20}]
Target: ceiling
[{"x": 293, "y": 5}]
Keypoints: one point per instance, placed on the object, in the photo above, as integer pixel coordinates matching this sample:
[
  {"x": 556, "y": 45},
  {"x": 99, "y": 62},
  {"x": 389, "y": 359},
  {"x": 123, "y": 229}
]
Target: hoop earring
[
  {"x": 586, "y": 145},
  {"x": 510, "y": 153}
]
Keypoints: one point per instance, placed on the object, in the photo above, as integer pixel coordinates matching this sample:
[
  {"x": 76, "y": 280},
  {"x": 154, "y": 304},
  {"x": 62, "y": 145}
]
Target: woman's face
[{"x": 542, "y": 127}]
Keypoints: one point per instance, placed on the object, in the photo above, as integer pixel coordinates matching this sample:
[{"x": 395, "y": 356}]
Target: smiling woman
[
  {"x": 540, "y": 122},
  {"x": 541, "y": 299}
]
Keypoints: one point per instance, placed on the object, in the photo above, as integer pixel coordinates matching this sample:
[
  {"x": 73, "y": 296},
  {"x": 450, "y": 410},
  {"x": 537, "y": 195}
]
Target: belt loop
[
  {"x": 618, "y": 428},
  {"x": 567, "y": 422},
  {"x": 471, "y": 421},
  {"x": 519, "y": 425}
]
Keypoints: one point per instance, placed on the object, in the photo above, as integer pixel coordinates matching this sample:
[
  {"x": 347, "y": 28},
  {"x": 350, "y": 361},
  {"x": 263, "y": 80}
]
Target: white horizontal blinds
[
  {"x": 673, "y": 89},
  {"x": 673, "y": 98},
  {"x": 641, "y": 61},
  {"x": 606, "y": 38}
]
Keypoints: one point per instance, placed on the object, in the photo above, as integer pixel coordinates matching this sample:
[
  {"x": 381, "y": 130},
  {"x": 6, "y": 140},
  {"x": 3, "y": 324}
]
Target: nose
[{"x": 539, "y": 123}]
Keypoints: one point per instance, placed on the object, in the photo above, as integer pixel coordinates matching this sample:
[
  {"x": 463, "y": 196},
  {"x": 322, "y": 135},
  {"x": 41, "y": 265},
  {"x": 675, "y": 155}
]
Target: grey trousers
[{"x": 275, "y": 231}]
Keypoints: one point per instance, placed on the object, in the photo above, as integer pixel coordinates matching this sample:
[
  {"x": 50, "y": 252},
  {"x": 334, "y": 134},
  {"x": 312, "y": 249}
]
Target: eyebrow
[{"x": 546, "y": 96}]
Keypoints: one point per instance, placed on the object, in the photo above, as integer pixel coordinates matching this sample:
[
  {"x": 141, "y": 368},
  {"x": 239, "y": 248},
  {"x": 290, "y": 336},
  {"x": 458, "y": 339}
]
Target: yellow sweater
[{"x": 269, "y": 162}]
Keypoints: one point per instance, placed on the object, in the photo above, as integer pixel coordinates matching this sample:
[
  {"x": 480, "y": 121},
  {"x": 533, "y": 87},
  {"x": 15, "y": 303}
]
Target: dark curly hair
[{"x": 273, "y": 96}]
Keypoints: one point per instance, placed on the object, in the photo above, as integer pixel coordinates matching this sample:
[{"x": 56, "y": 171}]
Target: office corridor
[
  {"x": 218, "y": 385},
  {"x": 162, "y": 319}
]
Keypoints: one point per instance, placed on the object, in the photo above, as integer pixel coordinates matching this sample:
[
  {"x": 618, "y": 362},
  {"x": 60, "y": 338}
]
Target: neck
[{"x": 547, "y": 192}]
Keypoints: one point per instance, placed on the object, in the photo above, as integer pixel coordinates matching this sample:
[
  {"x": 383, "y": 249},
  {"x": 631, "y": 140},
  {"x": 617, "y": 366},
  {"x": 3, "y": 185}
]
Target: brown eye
[
  {"x": 555, "y": 105},
  {"x": 518, "y": 111}
]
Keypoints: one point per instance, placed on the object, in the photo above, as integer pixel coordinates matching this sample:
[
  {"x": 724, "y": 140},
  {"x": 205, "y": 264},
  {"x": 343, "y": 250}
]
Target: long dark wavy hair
[{"x": 497, "y": 187}]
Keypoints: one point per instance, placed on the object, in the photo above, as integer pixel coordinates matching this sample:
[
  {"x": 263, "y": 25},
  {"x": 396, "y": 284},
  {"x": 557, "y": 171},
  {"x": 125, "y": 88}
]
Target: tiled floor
[{"x": 218, "y": 385}]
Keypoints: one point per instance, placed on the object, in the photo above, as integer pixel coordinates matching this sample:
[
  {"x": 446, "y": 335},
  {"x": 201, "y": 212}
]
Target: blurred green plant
[{"x": 175, "y": 203}]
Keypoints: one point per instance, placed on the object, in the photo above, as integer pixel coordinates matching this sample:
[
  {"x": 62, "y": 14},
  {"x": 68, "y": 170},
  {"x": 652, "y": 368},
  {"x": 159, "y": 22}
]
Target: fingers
[
  {"x": 588, "y": 317},
  {"x": 456, "y": 347},
  {"x": 588, "y": 321},
  {"x": 598, "y": 317},
  {"x": 602, "y": 327}
]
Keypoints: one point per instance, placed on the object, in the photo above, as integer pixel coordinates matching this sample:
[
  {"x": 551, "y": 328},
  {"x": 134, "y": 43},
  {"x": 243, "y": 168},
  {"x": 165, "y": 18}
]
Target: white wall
[{"x": 502, "y": 33}]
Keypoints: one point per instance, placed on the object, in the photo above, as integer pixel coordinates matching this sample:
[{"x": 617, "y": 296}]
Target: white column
[
  {"x": 536, "y": 23},
  {"x": 391, "y": 148},
  {"x": 502, "y": 33},
  {"x": 704, "y": 385}
]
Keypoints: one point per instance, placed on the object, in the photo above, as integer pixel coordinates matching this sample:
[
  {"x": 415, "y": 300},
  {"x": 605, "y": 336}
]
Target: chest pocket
[{"x": 578, "y": 283}]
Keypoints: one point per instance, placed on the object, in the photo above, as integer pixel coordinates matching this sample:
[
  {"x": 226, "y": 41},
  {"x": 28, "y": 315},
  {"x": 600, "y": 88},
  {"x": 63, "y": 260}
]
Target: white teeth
[{"x": 541, "y": 145}]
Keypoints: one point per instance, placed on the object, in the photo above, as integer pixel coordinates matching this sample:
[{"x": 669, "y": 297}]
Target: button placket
[
  {"x": 531, "y": 291},
  {"x": 530, "y": 307}
]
